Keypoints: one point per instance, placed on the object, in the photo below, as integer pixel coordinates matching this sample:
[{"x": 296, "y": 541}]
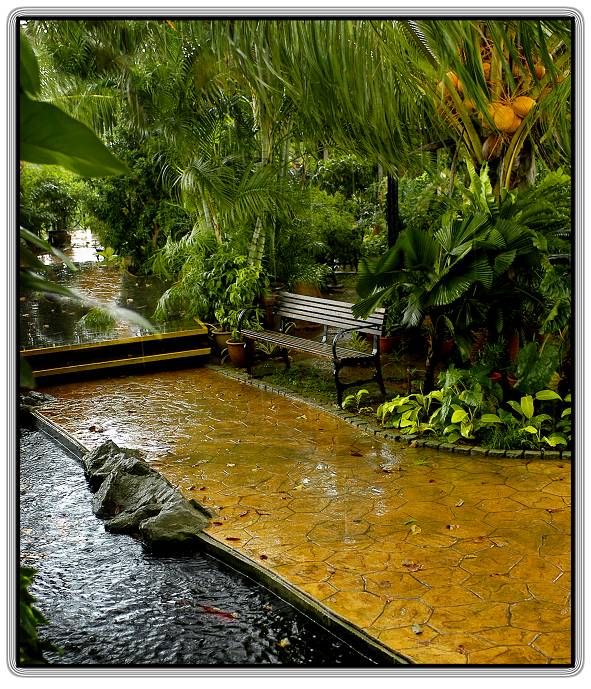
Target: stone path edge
[
  {"x": 363, "y": 425},
  {"x": 303, "y": 602}
]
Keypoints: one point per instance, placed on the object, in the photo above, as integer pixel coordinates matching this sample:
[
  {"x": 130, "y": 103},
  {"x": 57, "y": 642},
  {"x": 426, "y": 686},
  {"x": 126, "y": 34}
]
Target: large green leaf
[
  {"x": 50, "y": 136},
  {"x": 490, "y": 418},
  {"x": 555, "y": 439},
  {"x": 527, "y": 406},
  {"x": 545, "y": 395},
  {"x": 503, "y": 262},
  {"x": 458, "y": 415},
  {"x": 35, "y": 283},
  {"x": 30, "y": 81},
  {"x": 447, "y": 292}
]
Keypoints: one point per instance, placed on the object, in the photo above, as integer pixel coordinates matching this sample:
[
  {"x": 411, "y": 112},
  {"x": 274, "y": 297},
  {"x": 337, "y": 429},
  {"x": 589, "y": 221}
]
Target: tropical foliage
[
  {"x": 264, "y": 151},
  {"x": 30, "y": 646},
  {"x": 481, "y": 267},
  {"x": 466, "y": 407}
]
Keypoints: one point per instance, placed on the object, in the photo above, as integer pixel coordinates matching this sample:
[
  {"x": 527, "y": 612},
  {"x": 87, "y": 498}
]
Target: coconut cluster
[{"x": 505, "y": 114}]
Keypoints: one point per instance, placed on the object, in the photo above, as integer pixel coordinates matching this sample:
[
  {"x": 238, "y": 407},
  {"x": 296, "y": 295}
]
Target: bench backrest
[{"x": 337, "y": 314}]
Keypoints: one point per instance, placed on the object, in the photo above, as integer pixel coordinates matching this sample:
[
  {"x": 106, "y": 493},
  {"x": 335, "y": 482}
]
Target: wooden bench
[{"x": 331, "y": 314}]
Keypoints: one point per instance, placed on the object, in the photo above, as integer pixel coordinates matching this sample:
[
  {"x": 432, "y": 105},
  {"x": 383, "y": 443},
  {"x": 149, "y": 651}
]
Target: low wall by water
[
  {"x": 110, "y": 603},
  {"x": 183, "y": 532}
]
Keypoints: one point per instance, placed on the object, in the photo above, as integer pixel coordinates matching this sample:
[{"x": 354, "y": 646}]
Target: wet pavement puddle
[{"x": 446, "y": 559}]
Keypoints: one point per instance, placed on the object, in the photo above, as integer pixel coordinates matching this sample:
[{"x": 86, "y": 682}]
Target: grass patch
[{"x": 305, "y": 381}]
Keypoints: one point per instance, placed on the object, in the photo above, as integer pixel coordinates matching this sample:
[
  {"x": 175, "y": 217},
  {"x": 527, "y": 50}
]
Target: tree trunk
[
  {"x": 430, "y": 363},
  {"x": 392, "y": 211}
]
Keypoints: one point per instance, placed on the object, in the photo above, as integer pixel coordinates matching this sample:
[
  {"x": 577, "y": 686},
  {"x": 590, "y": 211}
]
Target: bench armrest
[
  {"x": 344, "y": 331},
  {"x": 242, "y": 314}
]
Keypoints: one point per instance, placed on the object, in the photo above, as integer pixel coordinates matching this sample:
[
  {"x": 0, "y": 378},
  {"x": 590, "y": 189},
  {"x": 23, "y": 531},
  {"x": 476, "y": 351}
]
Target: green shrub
[
  {"x": 463, "y": 410},
  {"x": 347, "y": 175},
  {"x": 97, "y": 320},
  {"x": 30, "y": 648},
  {"x": 134, "y": 215},
  {"x": 49, "y": 198}
]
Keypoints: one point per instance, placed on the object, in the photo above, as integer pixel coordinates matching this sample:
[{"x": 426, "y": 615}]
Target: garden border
[
  {"x": 412, "y": 440},
  {"x": 307, "y": 605}
]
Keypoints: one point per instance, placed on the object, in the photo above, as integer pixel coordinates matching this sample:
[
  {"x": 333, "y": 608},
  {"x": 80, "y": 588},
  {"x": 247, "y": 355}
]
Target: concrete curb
[
  {"x": 301, "y": 601},
  {"x": 389, "y": 434}
]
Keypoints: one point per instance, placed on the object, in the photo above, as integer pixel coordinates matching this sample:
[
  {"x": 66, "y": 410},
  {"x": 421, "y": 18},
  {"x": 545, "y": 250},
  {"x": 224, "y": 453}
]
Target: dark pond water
[
  {"x": 48, "y": 320},
  {"x": 110, "y": 602}
]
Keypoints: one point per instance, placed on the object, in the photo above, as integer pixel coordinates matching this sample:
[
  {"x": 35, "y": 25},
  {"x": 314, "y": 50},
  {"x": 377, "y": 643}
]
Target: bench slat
[
  {"x": 339, "y": 323},
  {"x": 345, "y": 314},
  {"x": 327, "y": 312},
  {"x": 316, "y": 305},
  {"x": 304, "y": 345}
]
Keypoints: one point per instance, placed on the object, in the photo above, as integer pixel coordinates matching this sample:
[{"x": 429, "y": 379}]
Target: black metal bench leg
[
  {"x": 339, "y": 386},
  {"x": 285, "y": 355},
  {"x": 379, "y": 377}
]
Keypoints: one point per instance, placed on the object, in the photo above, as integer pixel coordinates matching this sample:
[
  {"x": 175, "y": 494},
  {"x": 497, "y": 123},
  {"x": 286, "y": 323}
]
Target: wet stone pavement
[{"x": 446, "y": 559}]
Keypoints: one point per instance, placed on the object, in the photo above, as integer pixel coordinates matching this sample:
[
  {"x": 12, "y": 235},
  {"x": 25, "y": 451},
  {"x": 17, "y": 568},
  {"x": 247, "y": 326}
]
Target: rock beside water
[
  {"x": 135, "y": 499},
  {"x": 34, "y": 398}
]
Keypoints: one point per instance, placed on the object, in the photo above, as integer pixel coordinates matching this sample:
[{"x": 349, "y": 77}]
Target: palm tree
[
  {"x": 163, "y": 81},
  {"x": 397, "y": 90}
]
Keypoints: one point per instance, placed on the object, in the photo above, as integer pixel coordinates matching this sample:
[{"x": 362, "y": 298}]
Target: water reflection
[
  {"x": 83, "y": 248},
  {"x": 110, "y": 602},
  {"x": 50, "y": 320}
]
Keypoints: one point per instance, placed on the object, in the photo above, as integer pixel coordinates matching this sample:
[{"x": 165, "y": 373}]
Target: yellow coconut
[
  {"x": 491, "y": 148},
  {"x": 514, "y": 125},
  {"x": 453, "y": 78},
  {"x": 486, "y": 69},
  {"x": 502, "y": 115},
  {"x": 522, "y": 105},
  {"x": 516, "y": 70},
  {"x": 469, "y": 104},
  {"x": 539, "y": 69}
]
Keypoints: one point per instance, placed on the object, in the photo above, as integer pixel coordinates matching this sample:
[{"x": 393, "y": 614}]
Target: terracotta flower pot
[
  {"x": 386, "y": 344},
  {"x": 237, "y": 353},
  {"x": 221, "y": 337},
  {"x": 495, "y": 377}
]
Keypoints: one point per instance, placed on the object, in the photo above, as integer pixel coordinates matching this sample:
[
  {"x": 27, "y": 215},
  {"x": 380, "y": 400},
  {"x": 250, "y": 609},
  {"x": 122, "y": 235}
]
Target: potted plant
[
  {"x": 247, "y": 284},
  {"x": 393, "y": 329},
  {"x": 493, "y": 357},
  {"x": 236, "y": 348},
  {"x": 221, "y": 331},
  {"x": 239, "y": 350}
]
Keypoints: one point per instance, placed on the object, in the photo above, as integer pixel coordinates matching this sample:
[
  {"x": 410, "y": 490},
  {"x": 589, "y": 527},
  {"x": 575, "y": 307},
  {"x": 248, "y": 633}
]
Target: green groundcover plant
[{"x": 464, "y": 410}]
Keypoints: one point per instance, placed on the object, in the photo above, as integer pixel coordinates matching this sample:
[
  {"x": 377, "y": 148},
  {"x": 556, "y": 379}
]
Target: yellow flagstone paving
[{"x": 446, "y": 559}]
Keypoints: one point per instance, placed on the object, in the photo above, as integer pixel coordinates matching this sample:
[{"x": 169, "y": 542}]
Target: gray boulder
[
  {"x": 108, "y": 457},
  {"x": 135, "y": 499},
  {"x": 34, "y": 398},
  {"x": 174, "y": 524}
]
